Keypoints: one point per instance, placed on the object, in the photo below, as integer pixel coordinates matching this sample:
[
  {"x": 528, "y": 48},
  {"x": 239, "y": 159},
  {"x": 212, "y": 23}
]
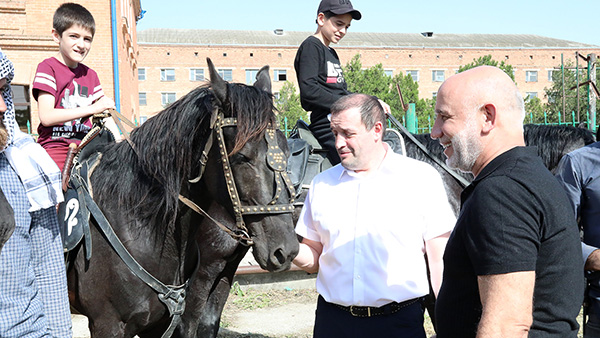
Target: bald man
[{"x": 512, "y": 265}]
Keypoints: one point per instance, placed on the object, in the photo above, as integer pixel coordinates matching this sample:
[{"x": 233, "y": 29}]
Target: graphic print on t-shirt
[
  {"x": 79, "y": 98},
  {"x": 334, "y": 73}
]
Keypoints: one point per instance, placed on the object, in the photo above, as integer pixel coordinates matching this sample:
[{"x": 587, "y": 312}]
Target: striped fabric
[{"x": 33, "y": 290}]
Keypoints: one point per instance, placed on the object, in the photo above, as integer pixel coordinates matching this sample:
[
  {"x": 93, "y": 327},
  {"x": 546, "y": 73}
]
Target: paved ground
[
  {"x": 285, "y": 314},
  {"x": 289, "y": 320},
  {"x": 293, "y": 319}
]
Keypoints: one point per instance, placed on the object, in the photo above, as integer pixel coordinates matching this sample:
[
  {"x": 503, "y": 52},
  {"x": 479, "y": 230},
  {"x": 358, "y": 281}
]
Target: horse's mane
[
  {"x": 553, "y": 142},
  {"x": 168, "y": 147}
]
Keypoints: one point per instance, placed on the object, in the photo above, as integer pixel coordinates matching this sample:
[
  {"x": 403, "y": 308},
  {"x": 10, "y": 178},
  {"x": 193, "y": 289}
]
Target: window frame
[
  {"x": 145, "y": 74},
  {"x": 140, "y": 98},
  {"x": 194, "y": 74},
  {"x": 226, "y": 73},
  {"x": 277, "y": 73},
  {"x": 529, "y": 75},
  {"x": 409, "y": 72},
  {"x": 165, "y": 76},
  {"x": 435, "y": 77},
  {"x": 251, "y": 75},
  {"x": 164, "y": 95}
]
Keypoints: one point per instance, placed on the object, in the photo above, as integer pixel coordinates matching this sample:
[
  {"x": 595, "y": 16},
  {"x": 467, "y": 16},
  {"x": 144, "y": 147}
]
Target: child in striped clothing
[{"x": 67, "y": 91}]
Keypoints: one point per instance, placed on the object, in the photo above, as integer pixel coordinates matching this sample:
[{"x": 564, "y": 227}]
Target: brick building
[
  {"x": 25, "y": 36},
  {"x": 172, "y": 61}
]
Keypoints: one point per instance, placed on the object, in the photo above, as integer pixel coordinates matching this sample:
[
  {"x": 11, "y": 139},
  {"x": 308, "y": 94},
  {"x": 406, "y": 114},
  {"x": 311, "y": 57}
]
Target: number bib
[{"x": 72, "y": 217}]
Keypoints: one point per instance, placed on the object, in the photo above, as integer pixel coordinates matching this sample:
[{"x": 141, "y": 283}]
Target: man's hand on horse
[{"x": 386, "y": 107}]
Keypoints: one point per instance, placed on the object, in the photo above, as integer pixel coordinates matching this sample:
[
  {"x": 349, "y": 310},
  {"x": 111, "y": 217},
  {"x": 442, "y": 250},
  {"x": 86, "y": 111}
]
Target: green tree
[
  {"x": 289, "y": 107},
  {"x": 534, "y": 109},
  {"x": 488, "y": 61},
  {"x": 554, "y": 94}
]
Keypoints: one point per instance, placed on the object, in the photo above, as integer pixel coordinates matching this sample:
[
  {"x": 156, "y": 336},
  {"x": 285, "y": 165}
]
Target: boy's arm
[{"x": 50, "y": 116}]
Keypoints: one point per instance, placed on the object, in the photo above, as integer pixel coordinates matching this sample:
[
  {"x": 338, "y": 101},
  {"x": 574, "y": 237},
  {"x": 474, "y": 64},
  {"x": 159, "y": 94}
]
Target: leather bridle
[{"x": 276, "y": 161}]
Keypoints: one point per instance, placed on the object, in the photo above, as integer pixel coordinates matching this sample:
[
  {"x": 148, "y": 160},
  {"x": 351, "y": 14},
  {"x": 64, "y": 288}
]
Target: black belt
[{"x": 370, "y": 311}]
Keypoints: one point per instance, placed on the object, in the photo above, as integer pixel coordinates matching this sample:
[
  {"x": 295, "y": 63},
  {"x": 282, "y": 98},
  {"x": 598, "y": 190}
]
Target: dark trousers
[
  {"x": 592, "y": 327},
  {"x": 321, "y": 129},
  {"x": 333, "y": 322}
]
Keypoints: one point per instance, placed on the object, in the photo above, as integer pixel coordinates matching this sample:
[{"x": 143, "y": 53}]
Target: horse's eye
[{"x": 240, "y": 158}]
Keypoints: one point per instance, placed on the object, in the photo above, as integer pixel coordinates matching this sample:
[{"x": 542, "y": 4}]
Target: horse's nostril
[{"x": 279, "y": 256}]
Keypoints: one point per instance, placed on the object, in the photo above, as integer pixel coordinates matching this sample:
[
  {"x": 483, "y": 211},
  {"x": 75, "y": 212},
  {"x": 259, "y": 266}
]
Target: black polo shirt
[{"x": 515, "y": 216}]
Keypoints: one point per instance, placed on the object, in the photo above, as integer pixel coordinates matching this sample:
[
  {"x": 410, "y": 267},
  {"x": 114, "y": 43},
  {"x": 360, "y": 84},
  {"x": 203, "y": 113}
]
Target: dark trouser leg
[
  {"x": 322, "y": 131},
  {"x": 333, "y": 322},
  {"x": 592, "y": 327}
]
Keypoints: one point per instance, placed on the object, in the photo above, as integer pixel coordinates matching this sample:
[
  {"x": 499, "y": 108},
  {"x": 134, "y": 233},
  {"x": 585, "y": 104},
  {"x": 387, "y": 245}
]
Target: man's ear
[
  {"x": 378, "y": 130},
  {"x": 489, "y": 116}
]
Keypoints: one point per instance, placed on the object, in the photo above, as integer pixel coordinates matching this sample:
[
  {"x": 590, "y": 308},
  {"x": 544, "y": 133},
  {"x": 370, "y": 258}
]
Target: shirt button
[{"x": 357, "y": 276}]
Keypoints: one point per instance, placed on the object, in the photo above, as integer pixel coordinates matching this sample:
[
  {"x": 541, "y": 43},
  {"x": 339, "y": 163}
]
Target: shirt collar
[{"x": 382, "y": 165}]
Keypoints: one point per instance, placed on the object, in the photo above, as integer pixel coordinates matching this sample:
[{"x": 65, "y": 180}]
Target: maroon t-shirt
[{"x": 71, "y": 88}]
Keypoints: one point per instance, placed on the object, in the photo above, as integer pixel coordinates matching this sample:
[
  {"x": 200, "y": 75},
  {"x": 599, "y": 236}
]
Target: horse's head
[{"x": 252, "y": 158}]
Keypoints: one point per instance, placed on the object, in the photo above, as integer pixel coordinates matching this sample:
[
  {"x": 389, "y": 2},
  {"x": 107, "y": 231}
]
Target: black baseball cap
[{"x": 339, "y": 7}]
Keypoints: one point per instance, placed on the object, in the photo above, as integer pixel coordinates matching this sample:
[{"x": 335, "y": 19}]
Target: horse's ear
[
  {"x": 263, "y": 79},
  {"x": 218, "y": 85}
]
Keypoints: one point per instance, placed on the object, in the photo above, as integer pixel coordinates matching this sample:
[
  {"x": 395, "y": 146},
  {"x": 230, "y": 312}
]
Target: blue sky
[{"x": 538, "y": 17}]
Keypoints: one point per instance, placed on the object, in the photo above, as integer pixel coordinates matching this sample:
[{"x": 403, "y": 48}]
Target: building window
[
  {"x": 388, "y": 72},
  {"x": 226, "y": 74},
  {"x": 437, "y": 76},
  {"x": 167, "y": 74},
  {"x": 276, "y": 96},
  {"x": 280, "y": 75},
  {"x": 414, "y": 74},
  {"x": 550, "y": 74},
  {"x": 167, "y": 98},
  {"x": 434, "y": 95},
  {"x": 196, "y": 74},
  {"x": 142, "y": 99},
  {"x": 530, "y": 95},
  {"x": 143, "y": 119},
  {"x": 531, "y": 76},
  {"x": 142, "y": 74},
  {"x": 251, "y": 76}
]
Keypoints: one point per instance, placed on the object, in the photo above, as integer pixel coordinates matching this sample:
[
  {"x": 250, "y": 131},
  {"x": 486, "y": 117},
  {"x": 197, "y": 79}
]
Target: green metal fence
[{"x": 422, "y": 126}]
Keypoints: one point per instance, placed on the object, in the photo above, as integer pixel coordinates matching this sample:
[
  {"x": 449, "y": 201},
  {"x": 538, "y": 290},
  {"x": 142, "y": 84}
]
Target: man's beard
[
  {"x": 3, "y": 135},
  {"x": 466, "y": 148}
]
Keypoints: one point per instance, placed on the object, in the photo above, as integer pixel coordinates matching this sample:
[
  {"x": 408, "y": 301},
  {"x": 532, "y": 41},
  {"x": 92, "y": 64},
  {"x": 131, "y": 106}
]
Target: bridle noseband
[{"x": 276, "y": 161}]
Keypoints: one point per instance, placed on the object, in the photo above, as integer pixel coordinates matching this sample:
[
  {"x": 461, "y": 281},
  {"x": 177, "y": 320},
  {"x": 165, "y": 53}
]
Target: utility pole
[{"x": 592, "y": 87}]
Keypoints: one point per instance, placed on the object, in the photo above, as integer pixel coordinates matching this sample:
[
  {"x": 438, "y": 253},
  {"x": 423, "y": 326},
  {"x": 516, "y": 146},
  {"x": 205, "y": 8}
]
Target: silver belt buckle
[{"x": 358, "y": 315}]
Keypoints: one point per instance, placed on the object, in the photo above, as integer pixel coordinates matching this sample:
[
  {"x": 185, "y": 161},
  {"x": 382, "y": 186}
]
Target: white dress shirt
[{"x": 373, "y": 229}]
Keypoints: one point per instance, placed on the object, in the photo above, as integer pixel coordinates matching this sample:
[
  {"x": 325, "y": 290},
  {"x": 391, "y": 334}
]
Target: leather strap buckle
[{"x": 352, "y": 307}]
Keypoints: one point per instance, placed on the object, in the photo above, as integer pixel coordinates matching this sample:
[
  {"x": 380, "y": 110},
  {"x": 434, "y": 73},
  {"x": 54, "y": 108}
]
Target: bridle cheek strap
[{"x": 276, "y": 161}]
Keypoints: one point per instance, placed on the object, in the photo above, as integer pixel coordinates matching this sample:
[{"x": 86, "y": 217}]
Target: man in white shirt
[{"x": 366, "y": 225}]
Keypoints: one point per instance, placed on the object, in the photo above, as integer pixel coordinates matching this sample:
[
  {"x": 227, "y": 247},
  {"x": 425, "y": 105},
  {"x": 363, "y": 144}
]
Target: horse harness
[
  {"x": 174, "y": 296},
  {"x": 276, "y": 161},
  {"x": 77, "y": 208}
]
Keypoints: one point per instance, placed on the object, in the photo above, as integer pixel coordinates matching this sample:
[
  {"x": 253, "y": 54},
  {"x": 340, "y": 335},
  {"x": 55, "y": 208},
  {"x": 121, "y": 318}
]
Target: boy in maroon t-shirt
[{"x": 67, "y": 91}]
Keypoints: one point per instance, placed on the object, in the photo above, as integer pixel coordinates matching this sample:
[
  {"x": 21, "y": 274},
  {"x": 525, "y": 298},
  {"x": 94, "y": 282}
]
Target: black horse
[{"x": 217, "y": 146}]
